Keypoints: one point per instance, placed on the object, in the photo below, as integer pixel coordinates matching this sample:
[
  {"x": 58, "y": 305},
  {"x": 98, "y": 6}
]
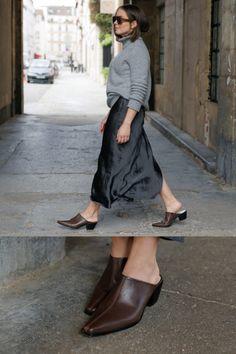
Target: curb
[{"x": 203, "y": 154}]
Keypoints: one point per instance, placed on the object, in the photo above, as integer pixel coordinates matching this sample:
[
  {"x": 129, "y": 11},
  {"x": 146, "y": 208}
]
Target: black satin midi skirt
[{"x": 125, "y": 171}]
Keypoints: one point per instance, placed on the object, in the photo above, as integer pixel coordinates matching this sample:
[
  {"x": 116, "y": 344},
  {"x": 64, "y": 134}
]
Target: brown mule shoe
[
  {"x": 78, "y": 221},
  {"x": 123, "y": 307},
  {"x": 108, "y": 279},
  {"x": 170, "y": 218}
]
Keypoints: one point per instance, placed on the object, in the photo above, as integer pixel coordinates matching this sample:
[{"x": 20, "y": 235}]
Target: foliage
[
  {"x": 103, "y": 21},
  {"x": 105, "y": 72},
  {"x": 105, "y": 39}
]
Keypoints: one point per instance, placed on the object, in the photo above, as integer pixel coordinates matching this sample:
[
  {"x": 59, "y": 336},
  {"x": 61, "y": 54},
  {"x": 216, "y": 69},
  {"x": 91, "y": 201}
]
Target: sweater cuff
[{"x": 134, "y": 104}]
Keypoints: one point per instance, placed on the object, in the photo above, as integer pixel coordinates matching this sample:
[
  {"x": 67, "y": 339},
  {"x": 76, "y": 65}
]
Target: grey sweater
[{"x": 129, "y": 75}]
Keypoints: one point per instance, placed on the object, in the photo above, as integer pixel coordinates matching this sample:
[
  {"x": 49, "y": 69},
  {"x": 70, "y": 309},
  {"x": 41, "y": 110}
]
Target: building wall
[
  {"x": 183, "y": 97},
  {"x": 11, "y": 88},
  {"x": 61, "y": 32},
  {"x": 226, "y": 132},
  {"x": 91, "y": 49},
  {"x": 6, "y": 60},
  {"x": 28, "y": 30},
  {"x": 199, "y": 115},
  {"x": 40, "y": 33}
]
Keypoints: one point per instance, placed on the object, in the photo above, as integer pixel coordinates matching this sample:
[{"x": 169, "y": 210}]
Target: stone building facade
[
  {"x": 89, "y": 48},
  {"x": 40, "y": 38},
  {"x": 61, "y": 32},
  {"x": 193, "y": 51},
  {"x": 28, "y": 30}
]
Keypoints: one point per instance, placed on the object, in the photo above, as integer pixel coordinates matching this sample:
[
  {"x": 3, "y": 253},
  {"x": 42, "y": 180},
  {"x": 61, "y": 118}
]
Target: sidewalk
[
  {"x": 47, "y": 163},
  {"x": 42, "y": 312}
]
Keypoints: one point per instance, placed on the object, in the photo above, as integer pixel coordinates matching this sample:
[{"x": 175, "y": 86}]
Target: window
[
  {"x": 214, "y": 51},
  {"x": 161, "y": 44}
]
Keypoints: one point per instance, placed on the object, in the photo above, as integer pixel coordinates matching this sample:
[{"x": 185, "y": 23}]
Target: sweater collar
[{"x": 124, "y": 40}]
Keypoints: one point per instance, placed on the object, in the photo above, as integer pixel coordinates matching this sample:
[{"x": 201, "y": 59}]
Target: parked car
[{"x": 41, "y": 70}]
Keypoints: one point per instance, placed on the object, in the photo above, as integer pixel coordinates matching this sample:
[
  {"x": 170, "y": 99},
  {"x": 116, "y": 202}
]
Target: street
[
  {"x": 71, "y": 95},
  {"x": 49, "y": 156}
]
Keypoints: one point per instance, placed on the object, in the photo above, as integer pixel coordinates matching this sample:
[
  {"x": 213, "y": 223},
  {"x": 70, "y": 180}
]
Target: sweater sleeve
[{"x": 139, "y": 62}]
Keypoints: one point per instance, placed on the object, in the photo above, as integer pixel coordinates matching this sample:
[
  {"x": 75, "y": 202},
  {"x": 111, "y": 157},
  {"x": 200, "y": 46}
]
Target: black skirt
[{"x": 125, "y": 171}]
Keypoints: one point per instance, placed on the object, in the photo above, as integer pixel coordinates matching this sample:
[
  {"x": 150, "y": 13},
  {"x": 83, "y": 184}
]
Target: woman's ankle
[
  {"x": 173, "y": 206},
  {"x": 149, "y": 273},
  {"x": 90, "y": 215}
]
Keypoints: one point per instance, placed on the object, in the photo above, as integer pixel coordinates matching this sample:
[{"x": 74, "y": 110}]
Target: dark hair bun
[{"x": 144, "y": 25}]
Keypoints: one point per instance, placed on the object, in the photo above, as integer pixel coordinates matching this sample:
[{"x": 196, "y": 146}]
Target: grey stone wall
[
  {"x": 183, "y": 97},
  {"x": 20, "y": 255},
  {"x": 226, "y": 163}
]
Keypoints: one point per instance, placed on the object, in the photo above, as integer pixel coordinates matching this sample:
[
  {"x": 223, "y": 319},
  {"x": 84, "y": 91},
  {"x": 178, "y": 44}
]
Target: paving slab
[
  {"x": 42, "y": 312},
  {"x": 48, "y": 161}
]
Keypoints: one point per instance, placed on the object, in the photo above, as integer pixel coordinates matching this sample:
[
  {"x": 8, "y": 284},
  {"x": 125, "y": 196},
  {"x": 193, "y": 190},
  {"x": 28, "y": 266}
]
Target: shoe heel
[
  {"x": 91, "y": 226},
  {"x": 183, "y": 215},
  {"x": 153, "y": 299}
]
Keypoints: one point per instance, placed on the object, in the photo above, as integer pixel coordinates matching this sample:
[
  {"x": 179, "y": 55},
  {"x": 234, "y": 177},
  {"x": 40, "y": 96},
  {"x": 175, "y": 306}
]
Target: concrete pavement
[
  {"x": 42, "y": 312},
  {"x": 49, "y": 156}
]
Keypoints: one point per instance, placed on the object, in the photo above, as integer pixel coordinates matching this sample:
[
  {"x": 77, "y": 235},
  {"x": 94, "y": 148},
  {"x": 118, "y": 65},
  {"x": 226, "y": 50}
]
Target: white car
[{"x": 41, "y": 70}]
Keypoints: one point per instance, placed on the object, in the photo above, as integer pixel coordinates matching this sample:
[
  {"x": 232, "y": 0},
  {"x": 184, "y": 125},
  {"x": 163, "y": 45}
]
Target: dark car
[{"x": 41, "y": 70}]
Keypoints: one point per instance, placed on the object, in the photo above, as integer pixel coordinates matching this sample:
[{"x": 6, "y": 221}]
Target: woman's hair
[{"x": 134, "y": 13}]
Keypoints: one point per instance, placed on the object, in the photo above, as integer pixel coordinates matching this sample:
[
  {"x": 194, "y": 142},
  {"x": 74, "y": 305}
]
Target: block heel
[
  {"x": 182, "y": 215},
  {"x": 153, "y": 299},
  {"x": 91, "y": 226}
]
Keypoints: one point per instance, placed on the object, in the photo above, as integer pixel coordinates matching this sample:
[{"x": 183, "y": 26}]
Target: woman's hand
[
  {"x": 102, "y": 124},
  {"x": 123, "y": 133}
]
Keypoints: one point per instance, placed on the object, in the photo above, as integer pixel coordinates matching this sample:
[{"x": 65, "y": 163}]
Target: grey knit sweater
[{"x": 129, "y": 75}]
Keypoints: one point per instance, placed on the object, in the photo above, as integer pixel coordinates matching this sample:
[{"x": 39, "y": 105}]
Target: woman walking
[
  {"x": 126, "y": 169},
  {"x": 126, "y": 166}
]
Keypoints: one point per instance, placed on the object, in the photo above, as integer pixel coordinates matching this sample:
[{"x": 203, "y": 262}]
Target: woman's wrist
[
  {"x": 130, "y": 115},
  {"x": 127, "y": 122}
]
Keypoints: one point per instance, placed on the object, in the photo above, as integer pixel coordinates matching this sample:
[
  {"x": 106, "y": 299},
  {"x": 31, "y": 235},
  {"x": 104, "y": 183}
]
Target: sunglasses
[{"x": 120, "y": 19}]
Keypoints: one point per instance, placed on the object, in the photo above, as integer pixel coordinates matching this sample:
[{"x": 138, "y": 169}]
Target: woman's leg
[
  {"x": 172, "y": 204},
  {"x": 141, "y": 263},
  {"x": 121, "y": 246},
  {"x": 91, "y": 212}
]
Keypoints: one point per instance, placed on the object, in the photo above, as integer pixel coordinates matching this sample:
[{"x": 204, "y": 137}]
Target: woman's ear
[{"x": 134, "y": 24}]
